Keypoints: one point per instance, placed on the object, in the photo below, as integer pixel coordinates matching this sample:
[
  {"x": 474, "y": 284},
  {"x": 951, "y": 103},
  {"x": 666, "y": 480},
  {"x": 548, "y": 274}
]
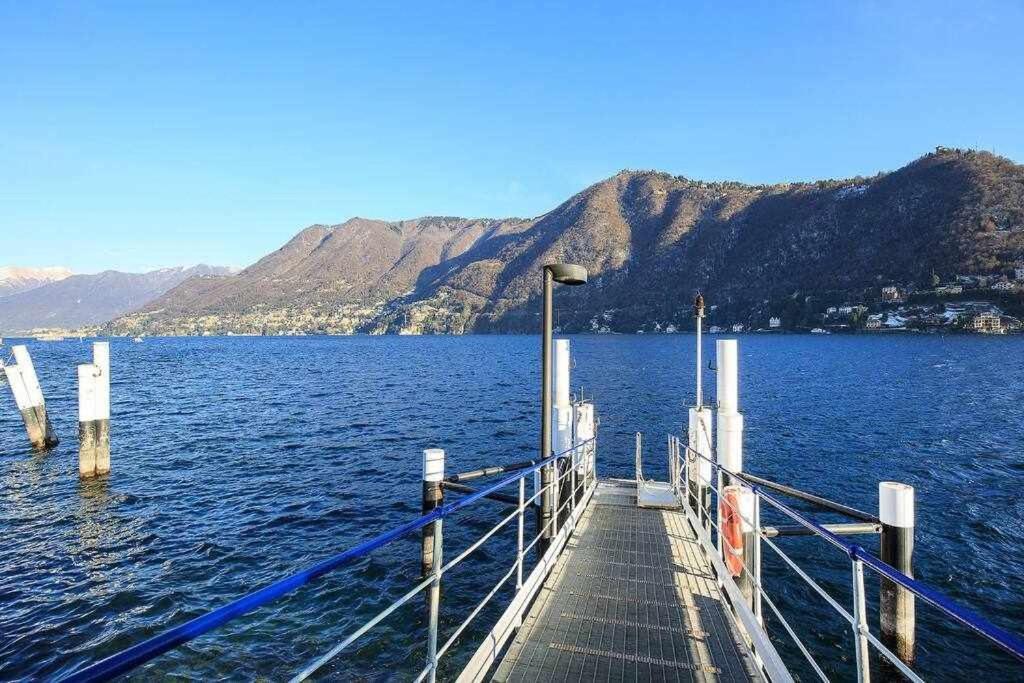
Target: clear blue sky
[{"x": 145, "y": 134}]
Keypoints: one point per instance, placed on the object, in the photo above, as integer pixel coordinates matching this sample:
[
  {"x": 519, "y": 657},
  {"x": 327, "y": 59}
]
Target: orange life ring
[{"x": 732, "y": 529}]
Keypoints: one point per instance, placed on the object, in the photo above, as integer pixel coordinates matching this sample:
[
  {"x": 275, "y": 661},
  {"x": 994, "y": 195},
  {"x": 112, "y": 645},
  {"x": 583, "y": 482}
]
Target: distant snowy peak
[{"x": 15, "y": 279}]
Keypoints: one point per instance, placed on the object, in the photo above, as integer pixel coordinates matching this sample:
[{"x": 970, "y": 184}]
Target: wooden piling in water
[
  {"x": 94, "y": 413},
  {"x": 433, "y": 497},
  {"x": 896, "y": 610},
  {"x": 28, "y": 395}
]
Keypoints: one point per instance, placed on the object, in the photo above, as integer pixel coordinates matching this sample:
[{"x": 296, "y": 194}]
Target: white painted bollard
[
  {"x": 28, "y": 396},
  {"x": 896, "y": 609},
  {"x": 94, "y": 413}
]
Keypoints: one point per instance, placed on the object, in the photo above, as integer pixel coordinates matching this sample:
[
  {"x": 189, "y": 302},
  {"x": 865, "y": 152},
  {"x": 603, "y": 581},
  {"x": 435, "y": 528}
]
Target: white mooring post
[
  {"x": 28, "y": 396},
  {"x": 433, "y": 475},
  {"x": 896, "y": 612},
  {"x": 433, "y": 497},
  {"x": 561, "y": 422},
  {"x": 94, "y": 413},
  {"x": 730, "y": 457}
]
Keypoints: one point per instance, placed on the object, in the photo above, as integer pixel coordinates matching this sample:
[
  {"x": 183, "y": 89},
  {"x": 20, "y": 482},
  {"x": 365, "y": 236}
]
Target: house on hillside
[
  {"x": 949, "y": 289},
  {"x": 874, "y": 322},
  {"x": 987, "y": 323},
  {"x": 774, "y": 323},
  {"x": 890, "y": 293},
  {"x": 1018, "y": 273},
  {"x": 738, "y": 327},
  {"x": 1004, "y": 286}
]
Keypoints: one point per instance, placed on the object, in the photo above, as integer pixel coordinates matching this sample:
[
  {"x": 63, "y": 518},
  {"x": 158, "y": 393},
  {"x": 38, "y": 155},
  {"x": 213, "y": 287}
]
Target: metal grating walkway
[{"x": 632, "y": 598}]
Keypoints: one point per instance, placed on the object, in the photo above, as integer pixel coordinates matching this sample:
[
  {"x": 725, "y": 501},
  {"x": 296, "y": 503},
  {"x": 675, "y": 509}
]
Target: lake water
[{"x": 239, "y": 460}]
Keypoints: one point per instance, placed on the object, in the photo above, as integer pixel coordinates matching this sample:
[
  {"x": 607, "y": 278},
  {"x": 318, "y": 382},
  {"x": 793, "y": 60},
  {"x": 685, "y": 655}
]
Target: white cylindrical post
[
  {"x": 726, "y": 353},
  {"x": 94, "y": 413},
  {"x": 896, "y": 612},
  {"x": 31, "y": 404},
  {"x": 730, "y": 441},
  {"x": 730, "y": 422},
  {"x": 561, "y": 419},
  {"x": 561, "y": 388},
  {"x": 433, "y": 497}
]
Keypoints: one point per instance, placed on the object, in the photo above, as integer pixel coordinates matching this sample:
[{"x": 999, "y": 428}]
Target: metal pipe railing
[
  {"x": 141, "y": 653},
  {"x": 1006, "y": 640}
]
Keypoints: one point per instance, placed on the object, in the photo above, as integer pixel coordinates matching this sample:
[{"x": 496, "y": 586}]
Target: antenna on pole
[{"x": 698, "y": 312}]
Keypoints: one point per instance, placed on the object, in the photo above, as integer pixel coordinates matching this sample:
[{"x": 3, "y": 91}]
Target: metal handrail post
[
  {"x": 686, "y": 478},
  {"x": 860, "y": 625},
  {"x": 434, "y": 597},
  {"x": 572, "y": 481},
  {"x": 519, "y": 542},
  {"x": 755, "y": 550}
]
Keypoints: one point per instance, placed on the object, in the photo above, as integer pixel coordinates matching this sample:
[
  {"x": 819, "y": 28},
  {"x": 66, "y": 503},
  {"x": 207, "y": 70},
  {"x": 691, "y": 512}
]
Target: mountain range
[
  {"x": 650, "y": 241},
  {"x": 14, "y": 279},
  {"x": 74, "y": 301}
]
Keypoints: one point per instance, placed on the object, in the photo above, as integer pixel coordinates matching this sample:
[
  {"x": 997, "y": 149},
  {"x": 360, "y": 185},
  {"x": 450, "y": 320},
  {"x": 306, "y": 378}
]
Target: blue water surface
[{"x": 239, "y": 460}]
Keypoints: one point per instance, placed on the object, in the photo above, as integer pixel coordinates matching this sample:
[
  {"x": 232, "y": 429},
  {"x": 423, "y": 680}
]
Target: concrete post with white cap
[
  {"x": 94, "y": 413},
  {"x": 896, "y": 609},
  {"x": 433, "y": 497},
  {"x": 28, "y": 395}
]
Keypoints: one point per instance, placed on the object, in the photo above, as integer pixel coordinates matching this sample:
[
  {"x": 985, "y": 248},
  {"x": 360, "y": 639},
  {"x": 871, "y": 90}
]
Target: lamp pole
[{"x": 567, "y": 274}]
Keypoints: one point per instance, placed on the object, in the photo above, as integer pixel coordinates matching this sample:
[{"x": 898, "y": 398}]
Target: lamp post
[{"x": 566, "y": 274}]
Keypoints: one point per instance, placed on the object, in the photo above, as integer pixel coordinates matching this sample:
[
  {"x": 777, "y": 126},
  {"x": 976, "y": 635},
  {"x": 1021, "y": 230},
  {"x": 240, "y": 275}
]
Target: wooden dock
[{"x": 631, "y": 598}]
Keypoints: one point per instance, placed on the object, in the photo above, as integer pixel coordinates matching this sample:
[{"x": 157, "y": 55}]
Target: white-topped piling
[
  {"x": 896, "y": 609},
  {"x": 28, "y": 395},
  {"x": 433, "y": 497},
  {"x": 94, "y": 413}
]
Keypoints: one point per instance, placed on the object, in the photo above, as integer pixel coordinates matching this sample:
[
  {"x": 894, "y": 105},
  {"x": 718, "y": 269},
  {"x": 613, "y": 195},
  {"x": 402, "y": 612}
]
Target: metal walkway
[{"x": 632, "y": 598}]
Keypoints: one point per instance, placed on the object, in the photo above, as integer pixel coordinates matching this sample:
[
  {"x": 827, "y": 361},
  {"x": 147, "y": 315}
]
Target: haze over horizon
[{"x": 146, "y": 137}]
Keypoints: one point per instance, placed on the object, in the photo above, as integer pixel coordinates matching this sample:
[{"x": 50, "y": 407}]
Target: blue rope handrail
[
  {"x": 1007, "y": 640},
  {"x": 140, "y": 653}
]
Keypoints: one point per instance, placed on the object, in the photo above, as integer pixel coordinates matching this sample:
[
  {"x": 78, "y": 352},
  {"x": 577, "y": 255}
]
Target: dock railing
[
  {"x": 579, "y": 460},
  {"x": 683, "y": 458}
]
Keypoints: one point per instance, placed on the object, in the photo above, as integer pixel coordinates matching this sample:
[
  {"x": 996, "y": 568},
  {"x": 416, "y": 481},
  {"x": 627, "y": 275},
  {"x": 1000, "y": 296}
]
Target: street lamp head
[{"x": 567, "y": 273}]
